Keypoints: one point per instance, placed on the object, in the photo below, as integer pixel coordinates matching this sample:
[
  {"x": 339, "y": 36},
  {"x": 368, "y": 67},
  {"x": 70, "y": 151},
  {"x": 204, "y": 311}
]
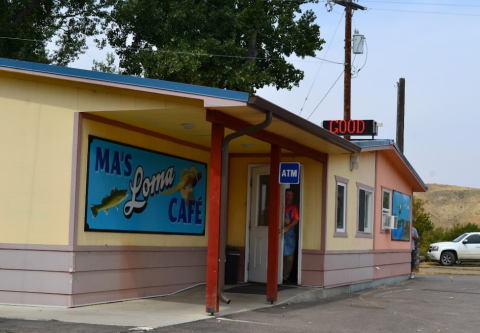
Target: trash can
[{"x": 232, "y": 256}]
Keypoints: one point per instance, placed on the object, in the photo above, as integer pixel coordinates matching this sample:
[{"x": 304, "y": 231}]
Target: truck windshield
[{"x": 459, "y": 238}]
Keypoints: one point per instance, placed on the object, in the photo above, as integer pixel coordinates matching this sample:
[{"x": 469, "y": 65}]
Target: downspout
[{"x": 224, "y": 200}]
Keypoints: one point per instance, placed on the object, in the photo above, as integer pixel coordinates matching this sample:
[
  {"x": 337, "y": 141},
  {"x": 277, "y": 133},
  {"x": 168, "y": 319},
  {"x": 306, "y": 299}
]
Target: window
[
  {"x": 386, "y": 208},
  {"x": 341, "y": 205},
  {"x": 364, "y": 210},
  {"x": 473, "y": 239}
]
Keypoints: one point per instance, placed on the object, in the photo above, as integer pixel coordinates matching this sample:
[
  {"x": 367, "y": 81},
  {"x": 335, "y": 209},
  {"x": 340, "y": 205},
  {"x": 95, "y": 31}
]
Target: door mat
[{"x": 255, "y": 289}]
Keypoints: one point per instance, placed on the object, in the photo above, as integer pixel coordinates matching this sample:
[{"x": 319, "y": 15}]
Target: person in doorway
[
  {"x": 415, "y": 238},
  {"x": 289, "y": 240}
]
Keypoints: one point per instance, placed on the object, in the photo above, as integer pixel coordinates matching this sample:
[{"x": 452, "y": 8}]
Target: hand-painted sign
[
  {"x": 289, "y": 173},
  {"x": 401, "y": 204},
  {"x": 351, "y": 127},
  {"x": 130, "y": 189}
]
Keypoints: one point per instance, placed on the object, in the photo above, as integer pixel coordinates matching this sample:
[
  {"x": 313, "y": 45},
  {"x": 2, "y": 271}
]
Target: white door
[
  {"x": 259, "y": 219},
  {"x": 259, "y": 224}
]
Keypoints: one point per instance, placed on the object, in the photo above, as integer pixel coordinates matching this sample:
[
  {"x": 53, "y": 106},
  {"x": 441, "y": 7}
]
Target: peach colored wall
[{"x": 389, "y": 177}]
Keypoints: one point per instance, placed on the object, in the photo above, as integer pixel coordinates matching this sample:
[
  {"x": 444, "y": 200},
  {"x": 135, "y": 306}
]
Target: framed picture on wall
[{"x": 401, "y": 207}]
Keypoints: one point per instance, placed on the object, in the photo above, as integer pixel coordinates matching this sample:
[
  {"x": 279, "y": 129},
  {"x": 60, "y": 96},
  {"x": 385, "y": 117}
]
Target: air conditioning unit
[{"x": 389, "y": 222}]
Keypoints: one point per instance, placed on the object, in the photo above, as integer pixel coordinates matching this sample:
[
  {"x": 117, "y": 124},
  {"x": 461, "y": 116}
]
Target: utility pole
[
  {"x": 400, "y": 113},
  {"x": 350, "y": 6}
]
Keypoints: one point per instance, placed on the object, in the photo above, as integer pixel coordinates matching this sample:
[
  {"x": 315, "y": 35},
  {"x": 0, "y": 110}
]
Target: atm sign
[{"x": 351, "y": 127}]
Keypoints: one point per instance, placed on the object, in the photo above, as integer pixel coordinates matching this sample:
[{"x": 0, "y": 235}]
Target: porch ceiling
[{"x": 168, "y": 122}]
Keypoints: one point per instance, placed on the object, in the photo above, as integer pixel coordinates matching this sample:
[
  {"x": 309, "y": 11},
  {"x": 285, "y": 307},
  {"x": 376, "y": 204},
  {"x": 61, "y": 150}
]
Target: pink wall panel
[
  {"x": 388, "y": 177},
  {"x": 8, "y": 297}
]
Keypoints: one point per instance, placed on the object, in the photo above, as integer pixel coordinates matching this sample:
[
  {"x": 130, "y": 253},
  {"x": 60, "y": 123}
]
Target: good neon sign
[{"x": 351, "y": 127}]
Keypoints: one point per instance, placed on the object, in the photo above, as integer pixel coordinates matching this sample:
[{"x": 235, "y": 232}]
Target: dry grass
[
  {"x": 449, "y": 204},
  {"x": 434, "y": 268}
]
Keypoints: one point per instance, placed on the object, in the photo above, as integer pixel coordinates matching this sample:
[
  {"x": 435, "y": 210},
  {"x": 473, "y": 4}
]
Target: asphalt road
[{"x": 429, "y": 303}]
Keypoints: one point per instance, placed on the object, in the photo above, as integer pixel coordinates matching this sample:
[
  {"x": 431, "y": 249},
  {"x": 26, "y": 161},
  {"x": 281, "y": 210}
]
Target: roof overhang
[
  {"x": 287, "y": 129},
  {"x": 392, "y": 152}
]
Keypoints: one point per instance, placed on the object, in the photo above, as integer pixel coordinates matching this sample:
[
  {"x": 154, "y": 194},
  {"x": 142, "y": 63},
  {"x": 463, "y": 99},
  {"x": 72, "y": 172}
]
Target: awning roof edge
[
  {"x": 387, "y": 144},
  {"x": 229, "y": 97},
  {"x": 263, "y": 105}
]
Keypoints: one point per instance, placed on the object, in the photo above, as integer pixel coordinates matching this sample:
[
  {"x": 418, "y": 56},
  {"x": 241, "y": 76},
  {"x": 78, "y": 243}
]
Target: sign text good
[{"x": 351, "y": 127}]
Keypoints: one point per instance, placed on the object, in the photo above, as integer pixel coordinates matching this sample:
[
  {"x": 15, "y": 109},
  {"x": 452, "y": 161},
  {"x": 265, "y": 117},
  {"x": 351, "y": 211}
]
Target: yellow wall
[
  {"x": 36, "y": 138},
  {"x": 339, "y": 165},
  {"x": 141, "y": 140},
  {"x": 312, "y": 199},
  {"x": 36, "y": 126}
]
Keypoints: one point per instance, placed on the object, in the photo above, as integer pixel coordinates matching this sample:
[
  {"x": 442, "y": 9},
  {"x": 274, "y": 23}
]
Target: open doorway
[
  {"x": 293, "y": 277},
  {"x": 257, "y": 227}
]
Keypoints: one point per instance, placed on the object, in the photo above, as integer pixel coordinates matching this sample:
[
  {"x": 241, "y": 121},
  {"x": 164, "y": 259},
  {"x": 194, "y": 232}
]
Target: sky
[{"x": 435, "y": 53}]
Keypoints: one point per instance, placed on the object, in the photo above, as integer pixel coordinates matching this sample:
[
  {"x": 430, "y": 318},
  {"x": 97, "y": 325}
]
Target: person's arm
[
  {"x": 292, "y": 224},
  {"x": 415, "y": 235}
]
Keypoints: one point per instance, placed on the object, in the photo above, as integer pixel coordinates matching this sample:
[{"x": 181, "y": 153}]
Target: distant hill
[{"x": 448, "y": 204}]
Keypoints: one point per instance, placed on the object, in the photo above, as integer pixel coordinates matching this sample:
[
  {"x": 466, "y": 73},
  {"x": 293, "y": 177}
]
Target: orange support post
[
  {"x": 273, "y": 224},
  {"x": 212, "y": 302}
]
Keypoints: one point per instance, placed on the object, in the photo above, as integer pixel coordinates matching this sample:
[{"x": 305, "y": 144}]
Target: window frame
[
  {"x": 341, "y": 232},
  {"x": 369, "y": 191},
  {"x": 383, "y": 210}
]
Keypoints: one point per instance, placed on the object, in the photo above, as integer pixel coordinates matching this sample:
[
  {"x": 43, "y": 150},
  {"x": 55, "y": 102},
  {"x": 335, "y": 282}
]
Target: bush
[{"x": 440, "y": 234}]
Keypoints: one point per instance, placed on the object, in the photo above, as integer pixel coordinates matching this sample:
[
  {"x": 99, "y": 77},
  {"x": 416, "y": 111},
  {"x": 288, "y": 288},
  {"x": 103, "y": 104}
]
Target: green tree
[
  {"x": 108, "y": 67},
  {"x": 26, "y": 26},
  {"x": 422, "y": 218},
  {"x": 233, "y": 44}
]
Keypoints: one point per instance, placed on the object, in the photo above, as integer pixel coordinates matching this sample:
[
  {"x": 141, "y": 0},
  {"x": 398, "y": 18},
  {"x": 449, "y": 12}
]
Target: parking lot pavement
[
  {"x": 427, "y": 304},
  {"x": 41, "y": 326}
]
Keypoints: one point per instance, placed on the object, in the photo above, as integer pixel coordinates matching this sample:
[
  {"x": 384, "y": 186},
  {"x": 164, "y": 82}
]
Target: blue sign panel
[
  {"x": 401, "y": 205},
  {"x": 289, "y": 173},
  {"x": 130, "y": 189}
]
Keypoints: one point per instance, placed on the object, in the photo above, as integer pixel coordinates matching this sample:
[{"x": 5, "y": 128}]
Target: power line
[
  {"x": 423, "y": 12},
  {"x": 423, "y": 3},
  {"x": 330, "y": 44},
  {"x": 326, "y": 94},
  {"x": 196, "y": 53}
]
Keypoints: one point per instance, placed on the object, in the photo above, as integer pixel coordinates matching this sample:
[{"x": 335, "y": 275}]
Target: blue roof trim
[
  {"x": 389, "y": 142},
  {"x": 125, "y": 79}
]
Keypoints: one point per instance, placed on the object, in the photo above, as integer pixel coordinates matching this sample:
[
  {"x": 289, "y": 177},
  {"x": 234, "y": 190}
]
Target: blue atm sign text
[
  {"x": 130, "y": 189},
  {"x": 289, "y": 173}
]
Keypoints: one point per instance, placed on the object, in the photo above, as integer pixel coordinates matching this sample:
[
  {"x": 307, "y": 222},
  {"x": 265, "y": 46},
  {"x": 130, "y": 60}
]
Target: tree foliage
[
  {"x": 108, "y": 66},
  {"x": 26, "y": 26},
  {"x": 422, "y": 219},
  {"x": 233, "y": 44}
]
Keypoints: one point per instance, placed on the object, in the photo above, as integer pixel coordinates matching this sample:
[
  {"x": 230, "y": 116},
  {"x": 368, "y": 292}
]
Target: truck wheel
[{"x": 447, "y": 258}]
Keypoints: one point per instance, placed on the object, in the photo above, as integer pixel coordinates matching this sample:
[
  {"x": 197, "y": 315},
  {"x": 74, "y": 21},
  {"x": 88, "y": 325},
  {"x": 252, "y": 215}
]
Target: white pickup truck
[{"x": 463, "y": 248}]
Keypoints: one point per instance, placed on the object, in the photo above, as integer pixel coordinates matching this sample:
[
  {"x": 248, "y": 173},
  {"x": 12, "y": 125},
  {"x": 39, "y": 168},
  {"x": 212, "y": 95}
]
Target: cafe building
[{"x": 115, "y": 187}]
